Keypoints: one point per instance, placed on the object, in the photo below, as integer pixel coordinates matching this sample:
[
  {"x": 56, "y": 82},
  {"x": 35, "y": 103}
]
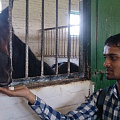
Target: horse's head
[{"x": 5, "y": 64}]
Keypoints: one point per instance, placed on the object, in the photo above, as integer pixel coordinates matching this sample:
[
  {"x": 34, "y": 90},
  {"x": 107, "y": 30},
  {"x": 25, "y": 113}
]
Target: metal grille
[
  {"x": 50, "y": 42},
  {"x": 56, "y": 42}
]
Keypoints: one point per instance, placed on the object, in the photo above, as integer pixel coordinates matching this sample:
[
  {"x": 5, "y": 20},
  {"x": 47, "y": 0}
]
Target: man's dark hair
[{"x": 113, "y": 41}]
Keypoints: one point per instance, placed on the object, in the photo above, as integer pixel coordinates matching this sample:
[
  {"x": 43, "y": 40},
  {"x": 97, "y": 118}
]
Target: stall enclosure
[{"x": 45, "y": 26}]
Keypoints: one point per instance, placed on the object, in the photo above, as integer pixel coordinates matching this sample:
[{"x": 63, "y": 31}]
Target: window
[{"x": 74, "y": 21}]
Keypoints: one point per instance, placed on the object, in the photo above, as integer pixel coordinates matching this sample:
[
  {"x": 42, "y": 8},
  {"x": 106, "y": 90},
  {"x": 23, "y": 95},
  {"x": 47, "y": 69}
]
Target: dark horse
[
  {"x": 63, "y": 67},
  {"x": 18, "y": 60}
]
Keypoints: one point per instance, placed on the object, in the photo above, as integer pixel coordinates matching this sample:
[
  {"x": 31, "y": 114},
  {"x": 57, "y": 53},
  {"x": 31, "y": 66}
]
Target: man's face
[{"x": 112, "y": 62}]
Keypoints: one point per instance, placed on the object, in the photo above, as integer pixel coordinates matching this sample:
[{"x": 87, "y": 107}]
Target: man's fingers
[
  {"x": 19, "y": 87},
  {"x": 18, "y": 91},
  {"x": 7, "y": 91}
]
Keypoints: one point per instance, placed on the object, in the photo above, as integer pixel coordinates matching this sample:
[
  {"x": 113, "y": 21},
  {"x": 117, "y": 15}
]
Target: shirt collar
[{"x": 113, "y": 91}]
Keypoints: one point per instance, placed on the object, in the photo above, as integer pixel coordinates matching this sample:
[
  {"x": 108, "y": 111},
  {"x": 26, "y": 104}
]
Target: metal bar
[
  {"x": 51, "y": 43},
  {"x": 60, "y": 27},
  {"x": 85, "y": 40},
  {"x": 49, "y": 79},
  {"x": 56, "y": 70},
  {"x": 64, "y": 42},
  {"x": 76, "y": 47},
  {"x": 81, "y": 55},
  {"x": 39, "y": 43},
  {"x": 46, "y": 44},
  {"x": 59, "y": 43},
  {"x": 26, "y": 38},
  {"x": 10, "y": 30},
  {"x": 42, "y": 40},
  {"x": 54, "y": 45},
  {"x": 69, "y": 37},
  {"x": 73, "y": 47}
]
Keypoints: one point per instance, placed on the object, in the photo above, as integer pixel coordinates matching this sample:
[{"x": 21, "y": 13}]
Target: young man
[{"x": 89, "y": 109}]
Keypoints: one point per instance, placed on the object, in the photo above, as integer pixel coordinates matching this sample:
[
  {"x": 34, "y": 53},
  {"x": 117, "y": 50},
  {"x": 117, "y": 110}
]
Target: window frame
[{"x": 74, "y": 25}]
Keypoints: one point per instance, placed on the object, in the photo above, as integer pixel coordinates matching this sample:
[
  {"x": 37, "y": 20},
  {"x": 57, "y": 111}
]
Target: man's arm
[
  {"x": 19, "y": 91},
  {"x": 87, "y": 110}
]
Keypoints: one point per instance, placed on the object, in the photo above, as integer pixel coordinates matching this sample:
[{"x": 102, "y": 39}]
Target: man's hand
[{"x": 19, "y": 91}]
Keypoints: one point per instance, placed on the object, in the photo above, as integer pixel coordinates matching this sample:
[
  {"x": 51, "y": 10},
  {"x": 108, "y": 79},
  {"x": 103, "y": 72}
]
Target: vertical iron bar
[
  {"x": 38, "y": 42},
  {"x": 42, "y": 40},
  {"x": 85, "y": 38},
  {"x": 81, "y": 55},
  {"x": 26, "y": 38},
  {"x": 10, "y": 30},
  {"x": 59, "y": 43},
  {"x": 51, "y": 43},
  {"x": 69, "y": 37},
  {"x": 73, "y": 47},
  {"x": 76, "y": 47},
  {"x": 64, "y": 41},
  {"x": 46, "y": 43},
  {"x": 54, "y": 43},
  {"x": 56, "y": 70}
]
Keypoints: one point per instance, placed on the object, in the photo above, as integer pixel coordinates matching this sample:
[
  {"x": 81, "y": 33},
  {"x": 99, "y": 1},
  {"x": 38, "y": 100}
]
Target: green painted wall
[{"x": 105, "y": 21}]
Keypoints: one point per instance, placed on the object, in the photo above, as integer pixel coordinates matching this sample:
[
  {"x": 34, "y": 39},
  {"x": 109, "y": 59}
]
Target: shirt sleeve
[{"x": 87, "y": 110}]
